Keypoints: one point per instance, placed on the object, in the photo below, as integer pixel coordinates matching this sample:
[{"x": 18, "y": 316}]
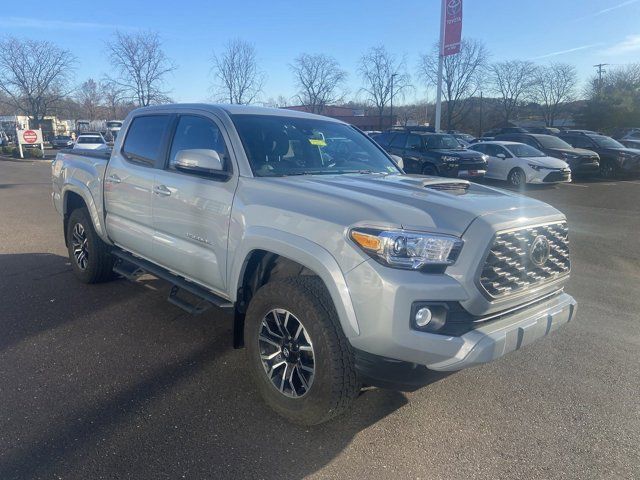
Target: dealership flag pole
[
  {"x": 450, "y": 43},
  {"x": 440, "y": 62}
]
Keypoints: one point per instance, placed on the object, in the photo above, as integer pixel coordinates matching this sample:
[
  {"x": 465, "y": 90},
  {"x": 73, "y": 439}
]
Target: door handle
[
  {"x": 114, "y": 179},
  {"x": 161, "y": 190}
]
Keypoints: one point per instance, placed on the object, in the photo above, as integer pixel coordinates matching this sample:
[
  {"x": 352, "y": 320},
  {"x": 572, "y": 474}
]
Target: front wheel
[
  {"x": 430, "y": 170},
  {"x": 517, "y": 178},
  {"x": 608, "y": 169},
  {"x": 298, "y": 356}
]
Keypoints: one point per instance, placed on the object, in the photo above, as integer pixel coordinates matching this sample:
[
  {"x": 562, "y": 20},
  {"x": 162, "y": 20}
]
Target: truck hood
[{"x": 408, "y": 201}]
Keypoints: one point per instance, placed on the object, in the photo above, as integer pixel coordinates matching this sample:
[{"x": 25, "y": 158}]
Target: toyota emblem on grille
[{"x": 539, "y": 251}]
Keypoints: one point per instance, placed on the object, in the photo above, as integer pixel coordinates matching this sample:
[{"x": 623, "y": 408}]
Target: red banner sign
[{"x": 451, "y": 26}]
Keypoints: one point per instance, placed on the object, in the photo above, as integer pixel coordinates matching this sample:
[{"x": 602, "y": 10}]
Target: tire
[
  {"x": 429, "y": 169},
  {"x": 517, "y": 178},
  {"x": 96, "y": 265},
  {"x": 334, "y": 383},
  {"x": 608, "y": 169}
]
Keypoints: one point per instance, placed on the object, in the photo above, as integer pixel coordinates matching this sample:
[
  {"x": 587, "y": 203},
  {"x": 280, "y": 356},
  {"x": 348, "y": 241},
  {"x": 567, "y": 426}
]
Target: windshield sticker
[{"x": 318, "y": 142}]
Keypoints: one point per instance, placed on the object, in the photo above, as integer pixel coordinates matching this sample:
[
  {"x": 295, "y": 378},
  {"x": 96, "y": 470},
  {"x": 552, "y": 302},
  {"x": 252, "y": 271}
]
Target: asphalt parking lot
[{"x": 111, "y": 381}]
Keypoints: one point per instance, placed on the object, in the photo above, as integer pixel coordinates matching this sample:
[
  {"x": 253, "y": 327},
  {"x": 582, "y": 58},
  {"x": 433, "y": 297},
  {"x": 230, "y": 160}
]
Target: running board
[{"x": 131, "y": 267}]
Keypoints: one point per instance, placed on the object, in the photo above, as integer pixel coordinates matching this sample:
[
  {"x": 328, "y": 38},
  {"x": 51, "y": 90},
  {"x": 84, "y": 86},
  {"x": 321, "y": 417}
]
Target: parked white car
[
  {"x": 518, "y": 163},
  {"x": 91, "y": 141}
]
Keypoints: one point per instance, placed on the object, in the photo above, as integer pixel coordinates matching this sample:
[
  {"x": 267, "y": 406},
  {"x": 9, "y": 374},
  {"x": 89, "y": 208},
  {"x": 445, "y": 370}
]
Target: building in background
[{"x": 354, "y": 116}]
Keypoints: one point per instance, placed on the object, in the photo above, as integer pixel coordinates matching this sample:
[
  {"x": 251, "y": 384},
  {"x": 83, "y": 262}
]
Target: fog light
[{"x": 423, "y": 317}]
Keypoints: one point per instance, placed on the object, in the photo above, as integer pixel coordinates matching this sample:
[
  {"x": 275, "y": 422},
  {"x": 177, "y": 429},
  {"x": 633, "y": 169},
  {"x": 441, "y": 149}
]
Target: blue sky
[{"x": 581, "y": 32}]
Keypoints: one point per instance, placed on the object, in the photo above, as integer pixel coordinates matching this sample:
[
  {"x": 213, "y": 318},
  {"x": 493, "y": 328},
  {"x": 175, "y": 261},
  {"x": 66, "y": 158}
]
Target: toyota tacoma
[{"x": 340, "y": 269}]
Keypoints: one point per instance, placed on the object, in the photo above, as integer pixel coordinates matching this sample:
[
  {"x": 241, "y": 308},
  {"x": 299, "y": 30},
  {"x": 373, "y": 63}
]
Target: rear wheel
[
  {"x": 517, "y": 178},
  {"x": 298, "y": 355},
  {"x": 89, "y": 255}
]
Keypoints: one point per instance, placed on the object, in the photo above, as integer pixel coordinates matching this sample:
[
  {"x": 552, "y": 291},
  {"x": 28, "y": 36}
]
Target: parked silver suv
[{"x": 341, "y": 270}]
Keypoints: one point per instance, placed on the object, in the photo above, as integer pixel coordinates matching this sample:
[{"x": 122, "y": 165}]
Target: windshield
[
  {"x": 548, "y": 141},
  {"x": 62, "y": 137},
  {"x": 90, "y": 140},
  {"x": 606, "y": 142},
  {"x": 523, "y": 151},
  {"x": 447, "y": 142},
  {"x": 278, "y": 146}
]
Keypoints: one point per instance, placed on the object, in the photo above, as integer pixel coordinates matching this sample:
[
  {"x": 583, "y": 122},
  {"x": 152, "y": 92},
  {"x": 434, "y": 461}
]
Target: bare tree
[
  {"x": 554, "y": 86},
  {"x": 239, "y": 80},
  {"x": 114, "y": 99},
  {"x": 141, "y": 66},
  {"x": 319, "y": 80},
  {"x": 513, "y": 81},
  {"x": 462, "y": 75},
  {"x": 35, "y": 75},
  {"x": 381, "y": 73},
  {"x": 89, "y": 96}
]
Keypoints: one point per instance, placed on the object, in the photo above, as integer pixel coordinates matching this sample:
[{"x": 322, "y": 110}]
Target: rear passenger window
[
  {"x": 145, "y": 138},
  {"x": 399, "y": 140}
]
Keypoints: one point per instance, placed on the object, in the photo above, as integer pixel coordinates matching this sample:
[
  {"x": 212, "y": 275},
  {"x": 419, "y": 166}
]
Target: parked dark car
[
  {"x": 581, "y": 161},
  {"x": 433, "y": 154},
  {"x": 500, "y": 131},
  {"x": 62, "y": 141},
  {"x": 544, "y": 130},
  {"x": 465, "y": 137},
  {"x": 629, "y": 137},
  {"x": 615, "y": 158}
]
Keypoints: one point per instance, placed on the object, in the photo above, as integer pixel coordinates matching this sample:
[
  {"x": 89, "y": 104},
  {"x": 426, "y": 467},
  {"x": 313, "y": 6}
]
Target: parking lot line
[
  {"x": 575, "y": 185},
  {"x": 630, "y": 181}
]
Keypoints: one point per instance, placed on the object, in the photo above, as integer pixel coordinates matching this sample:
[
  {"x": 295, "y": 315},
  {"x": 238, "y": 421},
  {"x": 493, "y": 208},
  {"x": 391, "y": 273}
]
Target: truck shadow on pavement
[{"x": 110, "y": 381}]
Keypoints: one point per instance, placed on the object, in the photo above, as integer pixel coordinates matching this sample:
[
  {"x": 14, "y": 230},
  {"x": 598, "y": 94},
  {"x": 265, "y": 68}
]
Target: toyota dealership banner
[{"x": 452, "y": 27}]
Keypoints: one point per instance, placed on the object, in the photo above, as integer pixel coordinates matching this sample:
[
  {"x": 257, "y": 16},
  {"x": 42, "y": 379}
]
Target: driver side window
[{"x": 193, "y": 132}]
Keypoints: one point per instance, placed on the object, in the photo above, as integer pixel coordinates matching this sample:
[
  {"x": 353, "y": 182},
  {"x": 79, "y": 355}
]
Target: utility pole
[
  {"x": 393, "y": 75},
  {"x": 600, "y": 72},
  {"x": 480, "y": 126}
]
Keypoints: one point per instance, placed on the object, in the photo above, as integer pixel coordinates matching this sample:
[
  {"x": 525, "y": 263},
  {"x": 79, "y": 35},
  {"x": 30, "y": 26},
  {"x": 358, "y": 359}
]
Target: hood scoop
[{"x": 455, "y": 187}]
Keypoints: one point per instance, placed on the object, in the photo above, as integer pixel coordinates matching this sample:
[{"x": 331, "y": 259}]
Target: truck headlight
[{"x": 407, "y": 249}]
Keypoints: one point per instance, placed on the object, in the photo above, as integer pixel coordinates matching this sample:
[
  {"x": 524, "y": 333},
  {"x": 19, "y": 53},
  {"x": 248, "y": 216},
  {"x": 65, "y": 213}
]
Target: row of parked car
[
  {"x": 516, "y": 156},
  {"x": 86, "y": 140}
]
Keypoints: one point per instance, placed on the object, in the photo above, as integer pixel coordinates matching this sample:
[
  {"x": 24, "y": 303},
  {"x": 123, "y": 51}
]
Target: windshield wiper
[{"x": 327, "y": 172}]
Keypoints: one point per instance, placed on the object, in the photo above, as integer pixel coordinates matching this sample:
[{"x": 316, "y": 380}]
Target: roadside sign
[{"x": 29, "y": 137}]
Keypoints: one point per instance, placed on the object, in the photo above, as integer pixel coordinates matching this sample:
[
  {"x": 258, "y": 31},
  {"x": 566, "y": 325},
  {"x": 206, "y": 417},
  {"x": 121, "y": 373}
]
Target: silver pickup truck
[{"x": 340, "y": 270}]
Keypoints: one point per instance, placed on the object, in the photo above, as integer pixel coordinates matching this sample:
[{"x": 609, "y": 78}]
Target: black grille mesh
[{"x": 508, "y": 267}]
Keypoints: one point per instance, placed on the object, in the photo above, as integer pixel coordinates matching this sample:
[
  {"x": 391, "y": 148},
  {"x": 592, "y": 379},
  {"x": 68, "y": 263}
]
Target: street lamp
[{"x": 393, "y": 75}]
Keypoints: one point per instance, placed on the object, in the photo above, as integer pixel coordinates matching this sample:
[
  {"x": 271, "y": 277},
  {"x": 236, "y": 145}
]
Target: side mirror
[
  {"x": 415, "y": 147},
  {"x": 501, "y": 155},
  {"x": 199, "y": 161},
  {"x": 398, "y": 161}
]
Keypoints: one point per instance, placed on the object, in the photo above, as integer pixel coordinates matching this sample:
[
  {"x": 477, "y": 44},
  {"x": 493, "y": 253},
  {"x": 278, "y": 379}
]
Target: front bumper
[
  {"x": 385, "y": 328},
  {"x": 497, "y": 338}
]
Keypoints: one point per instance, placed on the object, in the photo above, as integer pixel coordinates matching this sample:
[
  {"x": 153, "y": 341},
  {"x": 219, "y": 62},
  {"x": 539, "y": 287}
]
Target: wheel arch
[
  {"x": 267, "y": 253},
  {"x": 76, "y": 195}
]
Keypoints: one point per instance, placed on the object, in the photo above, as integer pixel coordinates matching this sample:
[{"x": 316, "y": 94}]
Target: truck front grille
[{"x": 526, "y": 257}]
